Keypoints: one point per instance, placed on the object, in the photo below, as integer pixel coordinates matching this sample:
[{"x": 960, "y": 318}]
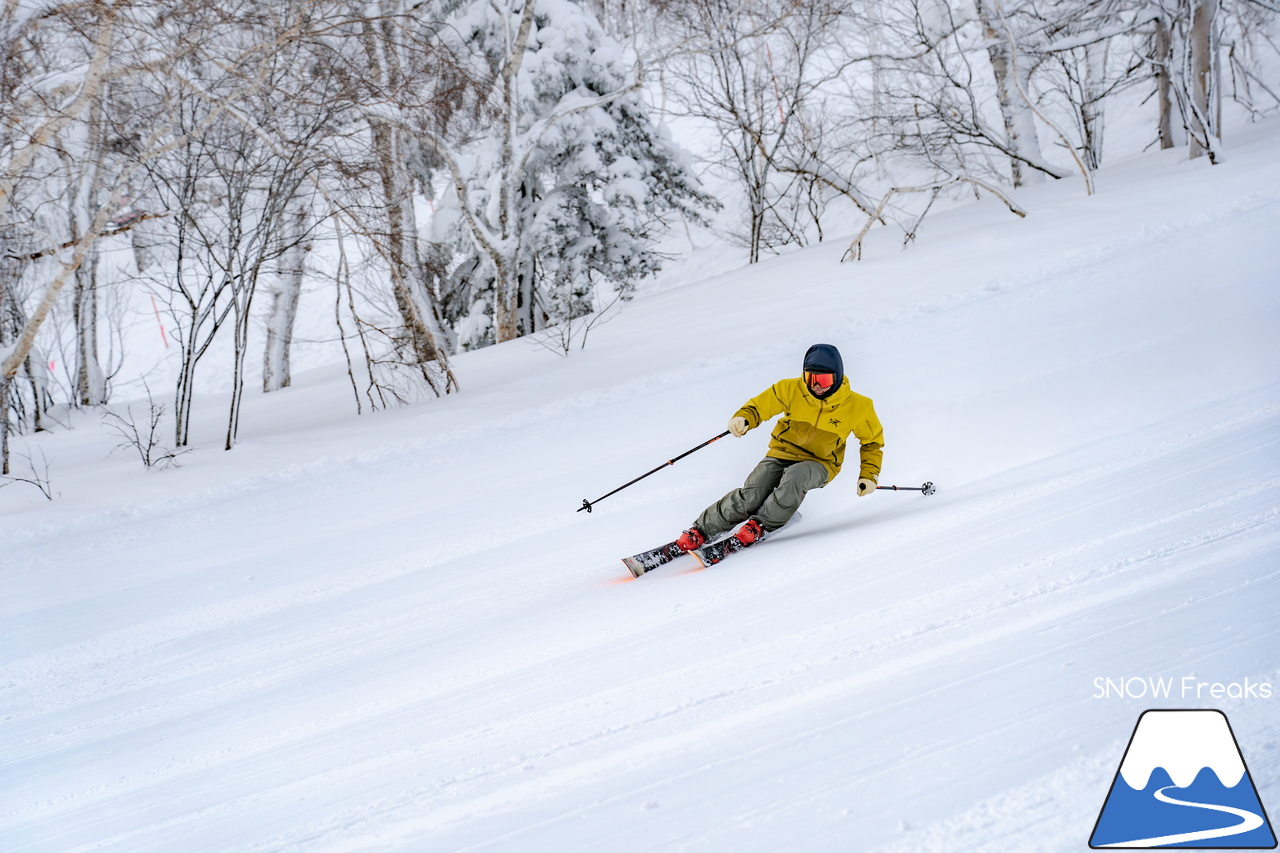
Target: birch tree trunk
[
  {"x": 89, "y": 196},
  {"x": 243, "y": 300},
  {"x": 1091, "y": 106},
  {"x": 1012, "y": 78},
  {"x": 411, "y": 288},
  {"x": 1170, "y": 132},
  {"x": 9, "y": 272},
  {"x": 408, "y": 281},
  {"x": 507, "y": 286},
  {"x": 4, "y": 425},
  {"x": 284, "y": 302},
  {"x": 91, "y": 387},
  {"x": 1202, "y": 93}
]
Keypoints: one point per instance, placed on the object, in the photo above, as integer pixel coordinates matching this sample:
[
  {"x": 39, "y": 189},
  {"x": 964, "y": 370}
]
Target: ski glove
[
  {"x": 866, "y": 487},
  {"x": 738, "y": 426}
]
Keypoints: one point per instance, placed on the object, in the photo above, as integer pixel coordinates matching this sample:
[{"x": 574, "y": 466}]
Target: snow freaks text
[{"x": 1186, "y": 687}]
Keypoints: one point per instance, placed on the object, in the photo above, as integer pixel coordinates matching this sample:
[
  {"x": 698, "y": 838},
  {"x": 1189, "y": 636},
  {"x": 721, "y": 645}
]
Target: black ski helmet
[{"x": 825, "y": 358}]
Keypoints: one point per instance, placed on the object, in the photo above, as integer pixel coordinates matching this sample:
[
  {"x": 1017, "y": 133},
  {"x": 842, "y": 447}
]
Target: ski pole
[
  {"x": 587, "y": 505},
  {"x": 926, "y": 489}
]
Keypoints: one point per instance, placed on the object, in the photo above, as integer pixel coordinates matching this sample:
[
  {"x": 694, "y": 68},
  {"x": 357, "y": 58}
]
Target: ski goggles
[{"x": 823, "y": 381}]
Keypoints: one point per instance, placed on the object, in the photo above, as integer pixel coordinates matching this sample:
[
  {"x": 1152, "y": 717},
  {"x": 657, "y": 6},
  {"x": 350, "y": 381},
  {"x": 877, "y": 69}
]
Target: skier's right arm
[{"x": 760, "y": 408}]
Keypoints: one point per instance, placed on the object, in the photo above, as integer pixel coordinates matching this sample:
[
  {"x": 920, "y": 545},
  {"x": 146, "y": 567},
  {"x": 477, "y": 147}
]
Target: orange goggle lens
[{"x": 822, "y": 380}]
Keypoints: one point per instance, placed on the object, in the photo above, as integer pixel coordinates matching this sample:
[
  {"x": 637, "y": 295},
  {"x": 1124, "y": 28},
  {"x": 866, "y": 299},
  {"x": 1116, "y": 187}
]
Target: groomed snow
[{"x": 394, "y": 633}]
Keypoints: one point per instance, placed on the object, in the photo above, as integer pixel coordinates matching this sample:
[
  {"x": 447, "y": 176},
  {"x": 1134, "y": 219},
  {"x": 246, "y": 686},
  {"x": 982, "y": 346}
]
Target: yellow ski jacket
[{"x": 818, "y": 429}]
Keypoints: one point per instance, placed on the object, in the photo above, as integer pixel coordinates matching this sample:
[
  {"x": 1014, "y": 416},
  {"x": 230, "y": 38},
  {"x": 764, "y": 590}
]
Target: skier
[{"x": 807, "y": 448}]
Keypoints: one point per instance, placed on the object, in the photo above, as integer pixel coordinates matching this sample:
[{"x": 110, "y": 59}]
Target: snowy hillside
[{"x": 394, "y": 633}]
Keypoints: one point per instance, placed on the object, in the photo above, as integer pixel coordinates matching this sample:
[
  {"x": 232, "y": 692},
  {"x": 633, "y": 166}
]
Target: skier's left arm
[{"x": 871, "y": 451}]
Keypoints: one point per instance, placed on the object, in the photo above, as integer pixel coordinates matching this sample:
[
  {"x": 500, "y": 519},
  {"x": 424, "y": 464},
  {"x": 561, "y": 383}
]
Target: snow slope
[{"x": 394, "y": 633}]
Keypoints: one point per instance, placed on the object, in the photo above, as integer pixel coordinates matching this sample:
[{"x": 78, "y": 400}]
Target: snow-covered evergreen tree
[{"x": 561, "y": 189}]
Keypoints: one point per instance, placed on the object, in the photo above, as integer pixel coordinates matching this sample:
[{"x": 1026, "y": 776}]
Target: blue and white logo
[{"x": 1183, "y": 783}]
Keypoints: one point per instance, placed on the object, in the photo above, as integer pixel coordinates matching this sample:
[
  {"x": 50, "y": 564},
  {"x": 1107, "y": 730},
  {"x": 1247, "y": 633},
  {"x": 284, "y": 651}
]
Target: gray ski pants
[{"x": 772, "y": 494}]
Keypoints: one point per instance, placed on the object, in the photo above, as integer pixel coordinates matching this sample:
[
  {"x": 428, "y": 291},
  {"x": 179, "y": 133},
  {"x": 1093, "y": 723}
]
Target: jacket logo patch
[{"x": 834, "y": 422}]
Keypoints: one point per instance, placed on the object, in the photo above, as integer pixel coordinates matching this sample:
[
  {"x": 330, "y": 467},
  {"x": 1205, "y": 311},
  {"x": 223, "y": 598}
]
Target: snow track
[
  {"x": 395, "y": 633},
  {"x": 1248, "y": 822}
]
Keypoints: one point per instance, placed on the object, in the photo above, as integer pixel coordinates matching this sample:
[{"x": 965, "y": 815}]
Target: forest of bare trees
[{"x": 448, "y": 174}]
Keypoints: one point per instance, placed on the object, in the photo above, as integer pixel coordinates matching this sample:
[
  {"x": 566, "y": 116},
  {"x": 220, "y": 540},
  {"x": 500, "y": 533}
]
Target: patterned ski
[
  {"x": 708, "y": 554},
  {"x": 711, "y": 554},
  {"x": 649, "y": 560}
]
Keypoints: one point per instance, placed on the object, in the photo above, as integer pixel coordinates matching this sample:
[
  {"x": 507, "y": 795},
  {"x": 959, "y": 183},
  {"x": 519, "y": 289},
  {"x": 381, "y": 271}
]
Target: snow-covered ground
[{"x": 394, "y": 632}]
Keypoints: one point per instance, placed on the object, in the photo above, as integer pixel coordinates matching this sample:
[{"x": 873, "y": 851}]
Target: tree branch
[
  {"x": 33, "y": 256},
  {"x": 854, "y": 252}
]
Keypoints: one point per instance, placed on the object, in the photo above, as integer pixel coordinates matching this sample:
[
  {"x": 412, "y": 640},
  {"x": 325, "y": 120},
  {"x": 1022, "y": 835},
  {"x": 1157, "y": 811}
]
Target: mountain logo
[{"x": 1183, "y": 783}]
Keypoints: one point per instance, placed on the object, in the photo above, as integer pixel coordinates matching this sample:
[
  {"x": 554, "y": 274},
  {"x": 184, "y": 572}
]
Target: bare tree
[
  {"x": 232, "y": 187},
  {"x": 35, "y": 108},
  {"x": 1247, "y": 39},
  {"x": 382, "y": 70},
  {"x": 752, "y": 71},
  {"x": 143, "y": 438},
  {"x": 85, "y": 47},
  {"x": 1187, "y": 60}
]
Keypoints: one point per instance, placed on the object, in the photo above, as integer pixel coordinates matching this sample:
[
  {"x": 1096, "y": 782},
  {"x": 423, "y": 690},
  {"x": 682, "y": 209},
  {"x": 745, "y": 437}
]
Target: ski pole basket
[{"x": 926, "y": 489}]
